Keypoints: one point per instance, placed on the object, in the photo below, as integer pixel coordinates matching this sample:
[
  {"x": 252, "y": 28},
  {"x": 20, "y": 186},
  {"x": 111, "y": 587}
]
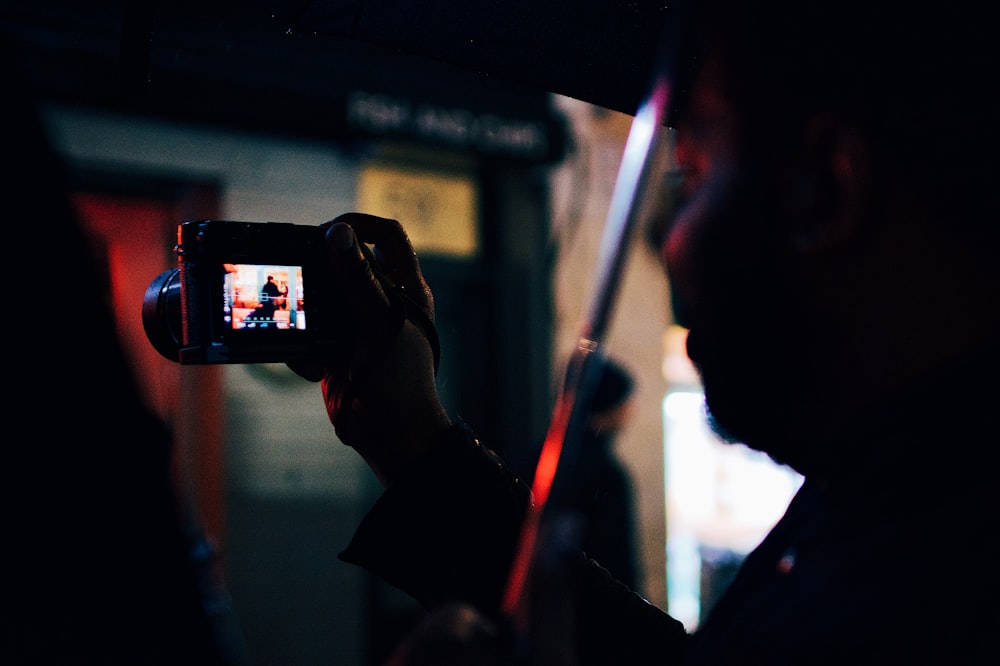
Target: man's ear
[{"x": 828, "y": 195}]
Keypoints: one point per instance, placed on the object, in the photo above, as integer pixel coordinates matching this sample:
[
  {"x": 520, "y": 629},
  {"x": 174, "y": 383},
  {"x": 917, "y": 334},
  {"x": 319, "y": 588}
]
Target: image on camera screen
[{"x": 263, "y": 297}]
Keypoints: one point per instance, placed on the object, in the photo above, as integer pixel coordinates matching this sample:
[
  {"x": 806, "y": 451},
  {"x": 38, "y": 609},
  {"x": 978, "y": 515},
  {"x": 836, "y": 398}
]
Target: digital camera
[{"x": 243, "y": 292}]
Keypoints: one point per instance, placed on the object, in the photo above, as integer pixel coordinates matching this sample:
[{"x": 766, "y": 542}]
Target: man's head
[
  {"x": 612, "y": 404},
  {"x": 836, "y": 229}
]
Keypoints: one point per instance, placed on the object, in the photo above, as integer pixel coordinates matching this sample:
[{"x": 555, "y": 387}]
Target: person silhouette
[
  {"x": 270, "y": 296},
  {"x": 601, "y": 493}
]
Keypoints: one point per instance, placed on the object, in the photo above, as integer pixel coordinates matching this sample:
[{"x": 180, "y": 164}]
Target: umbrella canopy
[
  {"x": 289, "y": 65},
  {"x": 598, "y": 51}
]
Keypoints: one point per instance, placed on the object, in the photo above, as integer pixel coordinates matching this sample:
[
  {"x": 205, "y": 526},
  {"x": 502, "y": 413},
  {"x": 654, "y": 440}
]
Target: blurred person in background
[{"x": 601, "y": 495}]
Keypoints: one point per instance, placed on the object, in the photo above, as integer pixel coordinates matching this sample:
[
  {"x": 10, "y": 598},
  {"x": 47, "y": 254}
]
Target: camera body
[{"x": 243, "y": 292}]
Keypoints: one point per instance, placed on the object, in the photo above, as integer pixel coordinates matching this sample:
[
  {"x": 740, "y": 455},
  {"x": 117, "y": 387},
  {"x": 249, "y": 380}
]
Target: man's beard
[
  {"x": 750, "y": 401},
  {"x": 760, "y": 354}
]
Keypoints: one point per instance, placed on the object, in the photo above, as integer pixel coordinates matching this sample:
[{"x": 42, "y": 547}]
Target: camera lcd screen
[{"x": 263, "y": 297}]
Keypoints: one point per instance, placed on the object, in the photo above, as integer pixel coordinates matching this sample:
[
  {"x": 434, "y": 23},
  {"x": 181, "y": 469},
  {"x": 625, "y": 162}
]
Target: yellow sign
[{"x": 438, "y": 210}]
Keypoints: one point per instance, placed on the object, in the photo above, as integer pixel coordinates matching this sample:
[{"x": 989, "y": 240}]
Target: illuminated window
[{"x": 721, "y": 498}]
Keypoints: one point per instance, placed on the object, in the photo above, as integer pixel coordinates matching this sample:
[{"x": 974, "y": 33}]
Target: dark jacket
[{"x": 893, "y": 558}]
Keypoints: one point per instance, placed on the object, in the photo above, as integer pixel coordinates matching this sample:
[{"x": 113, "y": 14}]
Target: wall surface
[{"x": 582, "y": 189}]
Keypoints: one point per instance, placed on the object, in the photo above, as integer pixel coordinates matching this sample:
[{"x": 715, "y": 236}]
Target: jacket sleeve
[{"x": 447, "y": 533}]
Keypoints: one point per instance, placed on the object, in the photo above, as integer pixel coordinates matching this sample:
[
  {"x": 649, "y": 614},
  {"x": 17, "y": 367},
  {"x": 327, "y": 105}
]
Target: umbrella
[
  {"x": 598, "y": 51},
  {"x": 289, "y": 65}
]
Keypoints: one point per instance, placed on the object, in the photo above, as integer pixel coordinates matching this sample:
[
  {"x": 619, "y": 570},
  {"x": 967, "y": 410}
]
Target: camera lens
[{"x": 161, "y": 314}]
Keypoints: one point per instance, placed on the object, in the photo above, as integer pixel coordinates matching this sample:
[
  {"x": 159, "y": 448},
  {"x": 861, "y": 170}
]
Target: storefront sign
[
  {"x": 461, "y": 128},
  {"x": 440, "y": 208}
]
